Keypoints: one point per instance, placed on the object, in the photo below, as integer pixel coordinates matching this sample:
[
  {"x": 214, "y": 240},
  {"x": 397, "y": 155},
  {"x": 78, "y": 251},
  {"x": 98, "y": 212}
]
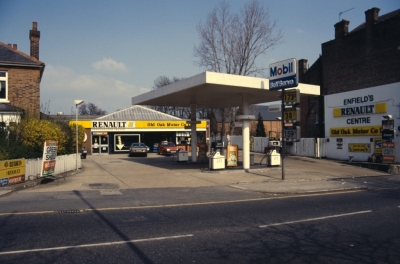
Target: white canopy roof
[{"x": 216, "y": 90}]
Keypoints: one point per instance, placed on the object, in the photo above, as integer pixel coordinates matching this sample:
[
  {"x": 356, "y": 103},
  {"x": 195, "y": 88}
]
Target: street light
[{"x": 77, "y": 102}]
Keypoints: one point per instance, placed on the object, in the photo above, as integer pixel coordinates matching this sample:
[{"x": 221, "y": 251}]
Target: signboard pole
[
  {"x": 283, "y": 75},
  {"x": 282, "y": 140}
]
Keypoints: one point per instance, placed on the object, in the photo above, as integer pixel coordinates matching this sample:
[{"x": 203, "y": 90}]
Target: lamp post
[{"x": 77, "y": 102}]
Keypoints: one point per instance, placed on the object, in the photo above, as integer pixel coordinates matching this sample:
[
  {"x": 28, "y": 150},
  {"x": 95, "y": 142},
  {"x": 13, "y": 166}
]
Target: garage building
[{"x": 113, "y": 133}]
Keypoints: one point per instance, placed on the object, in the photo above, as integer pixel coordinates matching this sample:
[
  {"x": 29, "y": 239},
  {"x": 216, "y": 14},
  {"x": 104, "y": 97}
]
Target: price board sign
[
  {"x": 292, "y": 97},
  {"x": 292, "y": 133},
  {"x": 291, "y": 115}
]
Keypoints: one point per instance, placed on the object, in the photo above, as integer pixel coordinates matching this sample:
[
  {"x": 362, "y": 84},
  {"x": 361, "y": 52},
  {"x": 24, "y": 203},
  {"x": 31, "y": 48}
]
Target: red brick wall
[
  {"x": 24, "y": 88},
  {"x": 355, "y": 60},
  {"x": 366, "y": 58}
]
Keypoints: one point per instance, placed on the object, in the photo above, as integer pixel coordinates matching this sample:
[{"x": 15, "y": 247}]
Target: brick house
[
  {"x": 20, "y": 77},
  {"x": 367, "y": 56}
]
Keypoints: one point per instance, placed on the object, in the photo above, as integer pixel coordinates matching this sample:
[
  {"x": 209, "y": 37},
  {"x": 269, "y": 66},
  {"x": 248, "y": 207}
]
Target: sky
[{"x": 106, "y": 52}]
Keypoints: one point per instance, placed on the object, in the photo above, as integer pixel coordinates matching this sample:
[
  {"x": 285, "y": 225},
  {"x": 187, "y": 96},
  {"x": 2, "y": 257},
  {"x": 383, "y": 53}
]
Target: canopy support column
[
  {"x": 245, "y": 118},
  {"x": 193, "y": 132}
]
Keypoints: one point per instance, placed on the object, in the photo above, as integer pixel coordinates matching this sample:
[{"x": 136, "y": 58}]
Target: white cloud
[
  {"x": 60, "y": 86},
  {"x": 108, "y": 64}
]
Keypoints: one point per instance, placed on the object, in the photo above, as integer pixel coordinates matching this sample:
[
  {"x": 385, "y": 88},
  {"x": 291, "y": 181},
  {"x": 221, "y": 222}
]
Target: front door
[{"x": 100, "y": 144}]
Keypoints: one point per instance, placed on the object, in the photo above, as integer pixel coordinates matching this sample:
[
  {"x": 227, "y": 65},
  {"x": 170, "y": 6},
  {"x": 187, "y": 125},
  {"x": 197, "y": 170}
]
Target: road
[{"x": 352, "y": 227}]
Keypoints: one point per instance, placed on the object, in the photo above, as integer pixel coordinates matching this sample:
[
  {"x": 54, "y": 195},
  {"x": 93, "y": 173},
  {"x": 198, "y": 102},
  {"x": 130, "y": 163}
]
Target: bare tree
[
  {"x": 232, "y": 43},
  {"x": 90, "y": 109},
  {"x": 181, "y": 112}
]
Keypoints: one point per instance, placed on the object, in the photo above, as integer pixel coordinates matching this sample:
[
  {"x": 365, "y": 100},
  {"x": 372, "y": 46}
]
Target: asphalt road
[{"x": 352, "y": 227}]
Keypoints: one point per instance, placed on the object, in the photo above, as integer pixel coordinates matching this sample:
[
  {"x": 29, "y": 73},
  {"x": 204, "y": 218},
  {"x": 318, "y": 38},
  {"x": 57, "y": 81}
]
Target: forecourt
[{"x": 219, "y": 90}]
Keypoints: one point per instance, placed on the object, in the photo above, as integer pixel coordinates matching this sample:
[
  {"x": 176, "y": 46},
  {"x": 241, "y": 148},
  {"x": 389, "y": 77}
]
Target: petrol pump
[{"x": 272, "y": 151}]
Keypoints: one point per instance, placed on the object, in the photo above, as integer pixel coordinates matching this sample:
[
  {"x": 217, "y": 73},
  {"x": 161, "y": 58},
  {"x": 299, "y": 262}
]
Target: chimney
[
  {"x": 34, "y": 36},
  {"x": 9, "y": 45},
  {"x": 14, "y": 47},
  {"x": 371, "y": 16},
  {"x": 341, "y": 28},
  {"x": 302, "y": 66}
]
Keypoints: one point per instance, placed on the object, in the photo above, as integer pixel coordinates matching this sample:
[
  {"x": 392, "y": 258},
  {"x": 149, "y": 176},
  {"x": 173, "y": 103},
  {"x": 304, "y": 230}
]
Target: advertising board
[
  {"x": 12, "y": 172},
  {"x": 388, "y": 152},
  {"x": 49, "y": 158},
  {"x": 283, "y": 74}
]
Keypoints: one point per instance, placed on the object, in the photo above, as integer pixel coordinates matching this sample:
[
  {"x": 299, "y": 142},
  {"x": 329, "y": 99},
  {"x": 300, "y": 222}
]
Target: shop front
[{"x": 115, "y": 137}]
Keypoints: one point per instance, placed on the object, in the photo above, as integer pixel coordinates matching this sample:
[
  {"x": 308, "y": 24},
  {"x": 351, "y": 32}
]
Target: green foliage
[
  {"x": 26, "y": 138},
  {"x": 260, "y": 130}
]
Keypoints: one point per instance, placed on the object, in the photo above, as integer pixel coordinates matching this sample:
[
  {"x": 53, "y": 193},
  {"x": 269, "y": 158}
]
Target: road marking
[
  {"x": 28, "y": 213},
  {"x": 94, "y": 245},
  {"x": 315, "y": 219},
  {"x": 182, "y": 205}
]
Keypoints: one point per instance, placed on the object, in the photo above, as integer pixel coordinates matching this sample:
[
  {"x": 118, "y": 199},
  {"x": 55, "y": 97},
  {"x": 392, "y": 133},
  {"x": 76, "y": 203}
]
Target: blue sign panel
[
  {"x": 286, "y": 82},
  {"x": 3, "y": 181}
]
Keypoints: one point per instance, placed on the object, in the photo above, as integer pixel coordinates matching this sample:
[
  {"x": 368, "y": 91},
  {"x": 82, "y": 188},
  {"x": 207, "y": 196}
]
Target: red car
[{"x": 167, "y": 148}]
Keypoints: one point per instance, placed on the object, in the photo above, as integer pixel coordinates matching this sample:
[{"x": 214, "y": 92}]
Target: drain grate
[{"x": 70, "y": 211}]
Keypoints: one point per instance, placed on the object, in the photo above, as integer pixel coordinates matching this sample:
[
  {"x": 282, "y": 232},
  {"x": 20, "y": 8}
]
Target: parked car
[
  {"x": 138, "y": 149},
  {"x": 167, "y": 148}
]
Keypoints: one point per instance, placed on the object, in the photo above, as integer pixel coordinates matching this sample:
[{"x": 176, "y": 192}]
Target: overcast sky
[{"x": 106, "y": 52}]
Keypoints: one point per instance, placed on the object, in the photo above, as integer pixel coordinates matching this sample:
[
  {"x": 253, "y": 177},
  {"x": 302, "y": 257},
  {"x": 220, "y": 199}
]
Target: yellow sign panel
[
  {"x": 167, "y": 124},
  {"x": 10, "y": 168},
  {"x": 291, "y": 114},
  {"x": 359, "y": 147},
  {"x": 356, "y": 131},
  {"x": 378, "y": 108},
  {"x": 292, "y": 97},
  {"x": 122, "y": 125}
]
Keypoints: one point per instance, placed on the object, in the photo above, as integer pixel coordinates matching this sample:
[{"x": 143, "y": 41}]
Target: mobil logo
[{"x": 282, "y": 69}]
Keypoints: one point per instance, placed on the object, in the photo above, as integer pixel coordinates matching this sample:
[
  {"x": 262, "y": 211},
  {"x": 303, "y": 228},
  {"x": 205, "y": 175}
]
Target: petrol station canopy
[{"x": 217, "y": 90}]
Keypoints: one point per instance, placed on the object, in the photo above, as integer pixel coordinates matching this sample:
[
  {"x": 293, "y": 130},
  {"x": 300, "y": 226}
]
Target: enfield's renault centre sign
[{"x": 283, "y": 74}]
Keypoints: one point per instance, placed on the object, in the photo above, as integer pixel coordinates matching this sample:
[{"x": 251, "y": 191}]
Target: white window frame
[{"x": 4, "y": 79}]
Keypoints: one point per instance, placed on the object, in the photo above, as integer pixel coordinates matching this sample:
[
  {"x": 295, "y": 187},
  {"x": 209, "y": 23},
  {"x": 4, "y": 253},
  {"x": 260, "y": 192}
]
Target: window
[{"x": 3, "y": 87}]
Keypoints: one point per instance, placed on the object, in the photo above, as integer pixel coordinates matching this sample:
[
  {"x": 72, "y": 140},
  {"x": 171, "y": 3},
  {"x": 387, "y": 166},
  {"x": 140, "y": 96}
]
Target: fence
[
  {"x": 64, "y": 163},
  {"x": 309, "y": 147}
]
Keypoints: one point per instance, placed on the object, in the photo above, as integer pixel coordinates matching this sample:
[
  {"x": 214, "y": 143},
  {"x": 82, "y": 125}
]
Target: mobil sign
[{"x": 283, "y": 74}]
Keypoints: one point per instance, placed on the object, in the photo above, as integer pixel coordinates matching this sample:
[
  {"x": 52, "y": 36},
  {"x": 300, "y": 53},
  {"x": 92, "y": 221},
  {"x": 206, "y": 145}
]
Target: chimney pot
[
  {"x": 15, "y": 46},
  {"x": 341, "y": 28},
  {"x": 9, "y": 45},
  {"x": 303, "y": 65},
  {"x": 371, "y": 16}
]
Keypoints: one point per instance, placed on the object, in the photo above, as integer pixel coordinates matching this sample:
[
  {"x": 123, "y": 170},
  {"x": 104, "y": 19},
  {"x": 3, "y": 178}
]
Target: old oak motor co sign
[{"x": 12, "y": 172}]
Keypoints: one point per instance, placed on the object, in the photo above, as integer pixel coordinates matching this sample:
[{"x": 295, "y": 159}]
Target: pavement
[{"x": 109, "y": 174}]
